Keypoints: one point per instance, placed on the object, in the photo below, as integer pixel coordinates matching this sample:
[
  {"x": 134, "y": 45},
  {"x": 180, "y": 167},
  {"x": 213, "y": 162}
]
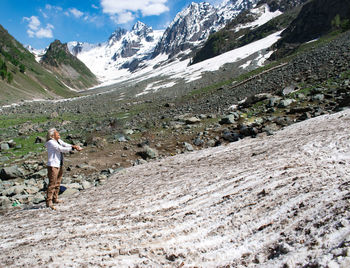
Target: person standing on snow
[{"x": 55, "y": 149}]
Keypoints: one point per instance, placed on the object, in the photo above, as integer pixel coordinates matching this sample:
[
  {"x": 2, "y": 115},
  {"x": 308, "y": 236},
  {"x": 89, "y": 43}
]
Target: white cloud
[
  {"x": 45, "y": 32},
  {"x": 55, "y": 8},
  {"x": 35, "y": 30},
  {"x": 34, "y": 22},
  {"x": 126, "y": 9},
  {"x": 94, "y": 6},
  {"x": 124, "y": 18},
  {"x": 76, "y": 13}
]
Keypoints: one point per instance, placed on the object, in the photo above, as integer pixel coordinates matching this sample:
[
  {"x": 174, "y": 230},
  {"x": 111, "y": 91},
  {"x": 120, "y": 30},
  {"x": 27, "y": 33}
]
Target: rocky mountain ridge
[
  {"x": 189, "y": 29},
  {"x": 22, "y": 76},
  {"x": 70, "y": 69}
]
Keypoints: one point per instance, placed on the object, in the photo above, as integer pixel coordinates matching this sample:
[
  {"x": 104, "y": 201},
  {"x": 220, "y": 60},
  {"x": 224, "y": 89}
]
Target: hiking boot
[{"x": 50, "y": 205}]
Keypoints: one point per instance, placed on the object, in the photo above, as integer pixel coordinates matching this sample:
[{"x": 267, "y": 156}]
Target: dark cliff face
[
  {"x": 191, "y": 25},
  {"x": 315, "y": 19}
]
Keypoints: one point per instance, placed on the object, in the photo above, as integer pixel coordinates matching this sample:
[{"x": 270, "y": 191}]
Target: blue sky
[{"x": 39, "y": 22}]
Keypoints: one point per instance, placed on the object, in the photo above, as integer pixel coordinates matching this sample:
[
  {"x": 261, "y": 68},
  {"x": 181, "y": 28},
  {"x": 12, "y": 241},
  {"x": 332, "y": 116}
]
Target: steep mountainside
[
  {"x": 123, "y": 50},
  {"x": 135, "y": 49},
  {"x": 189, "y": 27},
  {"x": 22, "y": 77},
  {"x": 69, "y": 68},
  {"x": 249, "y": 26},
  {"x": 317, "y": 17}
]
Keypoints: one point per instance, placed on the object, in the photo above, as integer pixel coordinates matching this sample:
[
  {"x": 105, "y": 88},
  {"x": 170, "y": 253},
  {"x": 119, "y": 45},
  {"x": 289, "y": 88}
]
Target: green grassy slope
[
  {"x": 21, "y": 77},
  {"x": 67, "y": 67}
]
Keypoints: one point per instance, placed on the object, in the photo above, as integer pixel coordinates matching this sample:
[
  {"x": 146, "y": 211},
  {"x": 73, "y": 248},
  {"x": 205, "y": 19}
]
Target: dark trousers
[{"x": 55, "y": 178}]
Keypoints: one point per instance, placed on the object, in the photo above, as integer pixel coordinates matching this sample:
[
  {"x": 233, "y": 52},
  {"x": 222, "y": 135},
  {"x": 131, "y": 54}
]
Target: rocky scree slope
[{"x": 267, "y": 202}]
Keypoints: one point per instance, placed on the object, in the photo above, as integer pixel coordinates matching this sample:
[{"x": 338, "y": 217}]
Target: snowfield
[{"x": 272, "y": 201}]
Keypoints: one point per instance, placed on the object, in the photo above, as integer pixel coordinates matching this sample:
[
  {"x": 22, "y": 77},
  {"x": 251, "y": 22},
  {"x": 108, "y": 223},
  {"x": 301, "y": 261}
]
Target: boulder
[
  {"x": 4, "y": 159},
  {"x": 253, "y": 99},
  {"x": 5, "y": 202},
  {"x": 188, "y": 147},
  {"x": 273, "y": 102},
  {"x": 11, "y": 143},
  {"x": 288, "y": 90},
  {"x": 120, "y": 138},
  {"x": 40, "y": 140},
  {"x": 86, "y": 185},
  {"x": 12, "y": 172},
  {"x": 228, "y": 119},
  {"x": 4, "y": 147},
  {"x": 318, "y": 97},
  {"x": 230, "y": 136},
  {"x": 31, "y": 190},
  {"x": 148, "y": 153},
  {"x": 38, "y": 198},
  {"x": 69, "y": 191},
  {"x": 198, "y": 142},
  {"x": 14, "y": 190},
  {"x": 285, "y": 103},
  {"x": 40, "y": 174},
  {"x": 192, "y": 120}
]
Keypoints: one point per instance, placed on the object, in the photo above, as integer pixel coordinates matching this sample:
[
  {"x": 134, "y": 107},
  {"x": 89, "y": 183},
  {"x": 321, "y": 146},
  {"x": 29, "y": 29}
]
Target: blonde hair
[{"x": 50, "y": 134}]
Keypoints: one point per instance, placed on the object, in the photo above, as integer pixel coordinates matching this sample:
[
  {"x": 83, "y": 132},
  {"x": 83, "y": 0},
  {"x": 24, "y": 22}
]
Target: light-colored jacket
[{"x": 54, "y": 151}]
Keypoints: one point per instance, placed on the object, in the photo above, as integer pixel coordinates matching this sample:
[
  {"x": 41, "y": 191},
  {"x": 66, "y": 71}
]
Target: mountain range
[{"x": 198, "y": 33}]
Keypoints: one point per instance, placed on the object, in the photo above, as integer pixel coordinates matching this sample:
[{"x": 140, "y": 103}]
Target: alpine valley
[{"x": 220, "y": 141}]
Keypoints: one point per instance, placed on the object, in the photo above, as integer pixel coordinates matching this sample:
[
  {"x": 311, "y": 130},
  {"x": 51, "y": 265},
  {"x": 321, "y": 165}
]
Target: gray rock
[
  {"x": 86, "y": 185},
  {"x": 11, "y": 143},
  {"x": 188, "y": 147},
  {"x": 12, "y": 172},
  {"x": 228, "y": 119},
  {"x": 86, "y": 167},
  {"x": 77, "y": 186},
  {"x": 31, "y": 190},
  {"x": 211, "y": 143},
  {"x": 148, "y": 153},
  {"x": 4, "y": 147},
  {"x": 230, "y": 136},
  {"x": 192, "y": 120},
  {"x": 14, "y": 190},
  {"x": 128, "y": 131},
  {"x": 318, "y": 97},
  {"x": 40, "y": 174},
  {"x": 289, "y": 89},
  {"x": 285, "y": 103},
  {"x": 40, "y": 140},
  {"x": 4, "y": 159},
  {"x": 198, "y": 142},
  {"x": 139, "y": 162},
  {"x": 38, "y": 198},
  {"x": 69, "y": 191},
  {"x": 120, "y": 138},
  {"x": 5, "y": 202},
  {"x": 273, "y": 102}
]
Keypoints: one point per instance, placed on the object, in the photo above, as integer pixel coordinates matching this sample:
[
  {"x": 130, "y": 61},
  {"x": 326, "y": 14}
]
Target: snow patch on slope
[
  {"x": 272, "y": 201},
  {"x": 263, "y": 15}
]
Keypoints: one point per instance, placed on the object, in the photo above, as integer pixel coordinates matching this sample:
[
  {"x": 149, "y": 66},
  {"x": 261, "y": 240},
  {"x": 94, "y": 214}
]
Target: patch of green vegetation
[
  {"x": 28, "y": 144},
  {"x": 6, "y": 121}
]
